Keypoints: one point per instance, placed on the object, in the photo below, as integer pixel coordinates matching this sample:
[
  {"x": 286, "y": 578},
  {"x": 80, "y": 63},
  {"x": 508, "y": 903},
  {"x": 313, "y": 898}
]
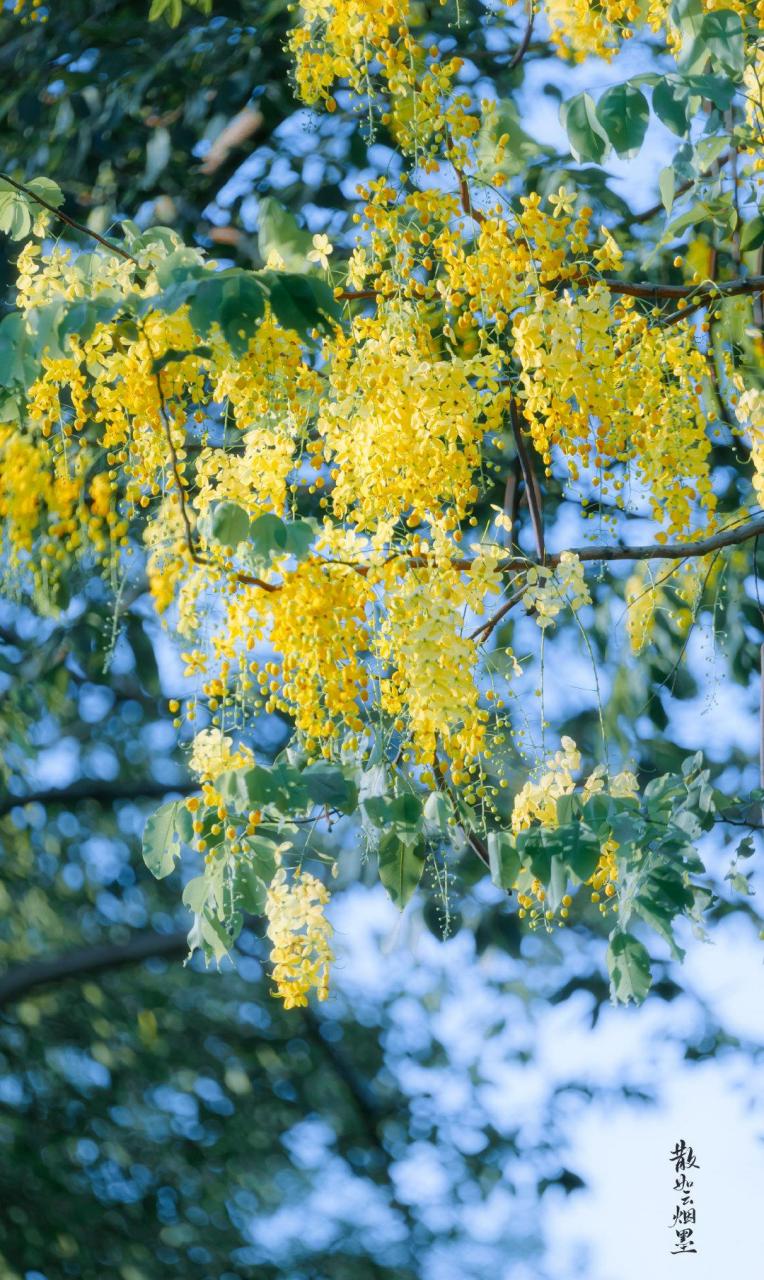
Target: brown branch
[
  {"x": 70, "y": 222},
  {"x": 647, "y": 290},
  {"x": 492, "y": 623},
  {"x": 100, "y": 792},
  {"x": 464, "y": 190},
  {"x": 524, "y": 45},
  {"x": 81, "y": 961},
  {"x": 701, "y": 294},
  {"x": 655, "y": 209},
  {"x": 729, "y": 537},
  {"x": 512, "y": 497}
]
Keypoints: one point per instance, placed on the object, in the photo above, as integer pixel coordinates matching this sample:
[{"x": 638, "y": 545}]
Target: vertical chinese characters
[{"x": 684, "y": 1220}]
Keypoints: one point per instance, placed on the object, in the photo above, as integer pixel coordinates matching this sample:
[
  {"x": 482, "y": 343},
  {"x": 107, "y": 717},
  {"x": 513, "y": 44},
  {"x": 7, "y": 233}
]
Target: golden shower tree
[{"x": 342, "y": 474}]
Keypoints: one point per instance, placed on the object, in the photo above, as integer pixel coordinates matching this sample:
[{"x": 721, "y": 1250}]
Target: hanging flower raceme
[{"x": 300, "y": 934}]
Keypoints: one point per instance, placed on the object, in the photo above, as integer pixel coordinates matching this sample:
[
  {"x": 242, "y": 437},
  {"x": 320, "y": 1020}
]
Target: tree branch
[
  {"x": 81, "y": 961},
  {"x": 647, "y": 214},
  {"x": 101, "y": 792},
  {"x": 647, "y": 290}
]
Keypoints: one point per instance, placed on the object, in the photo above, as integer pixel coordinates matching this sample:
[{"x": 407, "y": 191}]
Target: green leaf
[
  {"x": 718, "y": 89},
  {"x": 588, "y": 139},
  {"x": 48, "y": 190},
  {"x": 568, "y": 809},
  {"x": 278, "y": 231},
  {"x": 503, "y": 858},
  {"x": 660, "y": 918},
  {"x": 667, "y": 187},
  {"x": 280, "y": 787},
  {"x": 721, "y": 31},
  {"x": 403, "y": 811},
  {"x": 162, "y": 837},
  {"x": 249, "y": 887},
  {"x": 195, "y": 894},
  {"x": 707, "y": 150},
  {"x": 267, "y": 536},
  {"x": 218, "y": 936},
  {"x": 300, "y": 535},
  {"x": 437, "y": 811},
  {"x": 581, "y": 852},
  {"x": 15, "y": 219},
  {"x": 299, "y": 302},
  {"x": 673, "y": 105},
  {"x": 624, "y": 115},
  {"x": 629, "y": 968},
  {"x": 401, "y": 863},
  {"x": 752, "y": 235},
  {"x": 745, "y": 848},
  {"x": 230, "y": 524},
  {"x": 242, "y": 307},
  {"x": 180, "y": 266},
  {"x": 171, "y": 10},
  {"x": 327, "y": 785}
]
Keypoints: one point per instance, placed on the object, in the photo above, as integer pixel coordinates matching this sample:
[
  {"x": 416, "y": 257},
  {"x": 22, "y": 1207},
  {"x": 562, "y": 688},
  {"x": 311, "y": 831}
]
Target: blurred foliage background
[{"x": 158, "y": 1120}]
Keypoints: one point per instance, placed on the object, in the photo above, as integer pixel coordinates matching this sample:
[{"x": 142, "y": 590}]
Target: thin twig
[
  {"x": 244, "y": 578},
  {"x": 492, "y": 623},
  {"x": 522, "y": 48},
  {"x": 70, "y": 222},
  {"x": 647, "y": 214}
]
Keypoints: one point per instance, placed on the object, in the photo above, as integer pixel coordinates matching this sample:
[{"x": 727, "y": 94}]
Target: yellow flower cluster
[
  {"x": 750, "y": 414},
  {"x": 550, "y": 590},
  {"x": 673, "y": 589},
  {"x": 318, "y": 626},
  {"x": 211, "y": 754},
  {"x": 30, "y": 10},
  {"x": 582, "y": 27},
  {"x": 615, "y": 395},
  {"x": 301, "y": 936},
  {"x": 369, "y": 45},
  {"x": 364, "y": 44},
  {"x": 431, "y": 692},
  {"x": 418, "y": 422},
  {"x": 536, "y": 802}
]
